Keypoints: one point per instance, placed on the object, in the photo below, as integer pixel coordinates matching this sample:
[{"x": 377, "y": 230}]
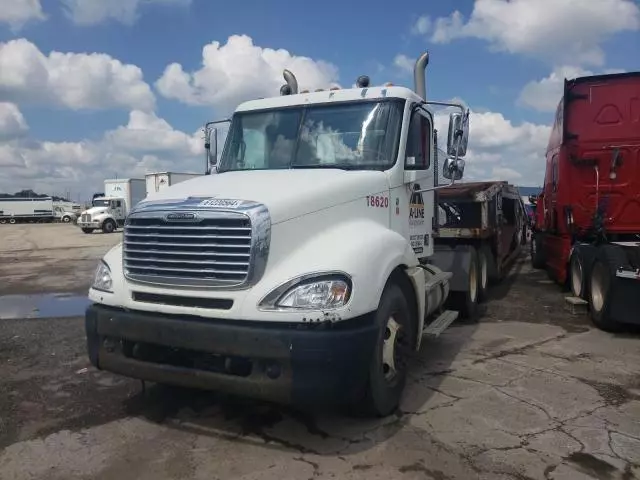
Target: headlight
[
  {"x": 102, "y": 278},
  {"x": 319, "y": 293}
]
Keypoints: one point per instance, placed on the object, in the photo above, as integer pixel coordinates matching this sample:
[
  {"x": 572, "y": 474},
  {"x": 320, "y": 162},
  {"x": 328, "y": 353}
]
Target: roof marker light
[{"x": 363, "y": 81}]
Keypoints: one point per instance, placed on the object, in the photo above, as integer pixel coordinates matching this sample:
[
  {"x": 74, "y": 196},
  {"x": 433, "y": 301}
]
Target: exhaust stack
[
  {"x": 291, "y": 87},
  {"x": 419, "y": 75}
]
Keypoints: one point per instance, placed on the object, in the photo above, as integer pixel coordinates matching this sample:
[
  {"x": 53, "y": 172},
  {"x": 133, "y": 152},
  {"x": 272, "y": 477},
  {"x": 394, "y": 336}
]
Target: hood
[
  {"x": 96, "y": 210},
  {"x": 286, "y": 193}
]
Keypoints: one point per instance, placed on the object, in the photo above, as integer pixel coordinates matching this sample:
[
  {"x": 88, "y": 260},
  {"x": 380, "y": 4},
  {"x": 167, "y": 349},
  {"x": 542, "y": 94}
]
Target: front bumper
[
  {"x": 92, "y": 224},
  {"x": 292, "y": 364}
]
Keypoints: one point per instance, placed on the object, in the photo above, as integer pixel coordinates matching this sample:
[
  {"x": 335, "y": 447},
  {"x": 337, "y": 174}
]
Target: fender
[{"x": 363, "y": 248}]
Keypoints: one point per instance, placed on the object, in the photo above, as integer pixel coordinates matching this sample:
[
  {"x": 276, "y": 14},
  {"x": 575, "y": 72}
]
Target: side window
[{"x": 417, "y": 152}]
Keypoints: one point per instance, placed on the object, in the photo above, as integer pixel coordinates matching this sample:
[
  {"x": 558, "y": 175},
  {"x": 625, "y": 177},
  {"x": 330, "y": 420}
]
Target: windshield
[
  {"x": 356, "y": 136},
  {"x": 100, "y": 203}
]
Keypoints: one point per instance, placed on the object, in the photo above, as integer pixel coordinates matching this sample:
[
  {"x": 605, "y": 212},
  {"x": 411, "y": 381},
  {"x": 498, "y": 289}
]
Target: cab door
[{"x": 418, "y": 175}]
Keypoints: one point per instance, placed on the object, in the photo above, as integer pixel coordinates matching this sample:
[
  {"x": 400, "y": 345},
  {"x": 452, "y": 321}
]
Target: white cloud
[
  {"x": 499, "y": 149},
  {"x": 147, "y": 143},
  {"x": 12, "y": 122},
  {"x": 545, "y": 94},
  {"x": 558, "y": 31},
  {"x": 422, "y": 25},
  {"x": 92, "y": 12},
  {"x": 404, "y": 63},
  {"x": 17, "y": 13},
  {"x": 72, "y": 80},
  {"x": 239, "y": 71}
]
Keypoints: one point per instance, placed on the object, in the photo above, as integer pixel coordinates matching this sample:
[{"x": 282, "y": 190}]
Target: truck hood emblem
[{"x": 181, "y": 217}]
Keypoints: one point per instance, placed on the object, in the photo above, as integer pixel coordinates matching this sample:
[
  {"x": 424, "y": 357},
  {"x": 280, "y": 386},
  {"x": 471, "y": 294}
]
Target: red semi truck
[{"x": 587, "y": 219}]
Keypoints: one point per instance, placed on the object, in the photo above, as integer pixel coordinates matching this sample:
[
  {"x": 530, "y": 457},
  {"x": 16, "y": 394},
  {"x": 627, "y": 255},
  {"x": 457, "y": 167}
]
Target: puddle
[{"x": 42, "y": 305}]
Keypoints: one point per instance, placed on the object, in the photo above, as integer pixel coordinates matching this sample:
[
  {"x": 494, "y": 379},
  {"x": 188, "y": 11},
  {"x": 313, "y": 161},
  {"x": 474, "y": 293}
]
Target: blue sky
[{"x": 487, "y": 59}]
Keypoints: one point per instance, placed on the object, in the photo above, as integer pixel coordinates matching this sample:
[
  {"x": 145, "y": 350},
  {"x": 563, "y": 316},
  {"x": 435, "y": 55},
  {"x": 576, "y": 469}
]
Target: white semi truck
[
  {"x": 160, "y": 180},
  {"x": 304, "y": 271},
  {"x": 108, "y": 213}
]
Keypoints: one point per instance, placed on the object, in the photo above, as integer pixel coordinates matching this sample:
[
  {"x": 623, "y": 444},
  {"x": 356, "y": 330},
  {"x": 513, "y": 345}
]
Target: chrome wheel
[
  {"x": 577, "y": 276},
  {"x": 484, "y": 271},
  {"x": 599, "y": 286},
  {"x": 473, "y": 281},
  {"x": 390, "y": 349}
]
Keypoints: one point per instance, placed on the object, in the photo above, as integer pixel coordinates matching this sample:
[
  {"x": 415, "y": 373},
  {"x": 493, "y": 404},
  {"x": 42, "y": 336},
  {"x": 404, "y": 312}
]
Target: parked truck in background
[
  {"x": 108, "y": 213},
  {"x": 587, "y": 219},
  {"x": 305, "y": 269},
  {"x": 159, "y": 180},
  {"x": 21, "y": 210}
]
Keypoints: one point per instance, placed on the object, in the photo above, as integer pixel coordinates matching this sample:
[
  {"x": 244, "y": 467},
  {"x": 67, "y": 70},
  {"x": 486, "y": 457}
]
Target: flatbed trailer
[{"x": 489, "y": 221}]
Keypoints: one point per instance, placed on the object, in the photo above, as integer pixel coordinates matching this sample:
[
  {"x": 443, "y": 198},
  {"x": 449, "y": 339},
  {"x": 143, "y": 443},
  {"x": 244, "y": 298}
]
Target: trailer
[
  {"x": 21, "y": 210},
  {"x": 158, "y": 181},
  {"x": 488, "y": 221}
]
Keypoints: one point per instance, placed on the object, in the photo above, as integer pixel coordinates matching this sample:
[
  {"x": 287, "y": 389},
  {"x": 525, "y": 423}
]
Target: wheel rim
[
  {"x": 473, "y": 282},
  {"x": 109, "y": 227},
  {"x": 13, "y": 220},
  {"x": 393, "y": 361},
  {"x": 66, "y": 219},
  {"x": 576, "y": 277},
  {"x": 599, "y": 286}
]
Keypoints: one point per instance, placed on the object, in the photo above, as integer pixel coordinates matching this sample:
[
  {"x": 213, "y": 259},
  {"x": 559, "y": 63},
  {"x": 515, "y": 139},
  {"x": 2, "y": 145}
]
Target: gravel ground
[{"x": 530, "y": 392}]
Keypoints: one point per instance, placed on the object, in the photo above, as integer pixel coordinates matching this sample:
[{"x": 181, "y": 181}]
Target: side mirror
[
  {"x": 458, "y": 135},
  {"x": 211, "y": 147},
  {"x": 453, "y": 169}
]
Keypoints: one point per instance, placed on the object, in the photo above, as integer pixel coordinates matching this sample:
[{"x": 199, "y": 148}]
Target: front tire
[
  {"x": 87, "y": 230},
  {"x": 66, "y": 219},
  {"x": 109, "y": 226},
  {"x": 389, "y": 363}
]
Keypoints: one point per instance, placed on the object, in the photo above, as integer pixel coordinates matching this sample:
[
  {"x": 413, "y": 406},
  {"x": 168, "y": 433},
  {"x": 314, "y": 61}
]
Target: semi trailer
[
  {"x": 587, "y": 218},
  {"x": 20, "y": 210},
  {"x": 305, "y": 270},
  {"x": 488, "y": 220},
  {"x": 159, "y": 180}
]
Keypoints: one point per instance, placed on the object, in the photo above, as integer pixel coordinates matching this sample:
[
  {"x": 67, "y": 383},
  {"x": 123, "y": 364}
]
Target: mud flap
[{"x": 456, "y": 261}]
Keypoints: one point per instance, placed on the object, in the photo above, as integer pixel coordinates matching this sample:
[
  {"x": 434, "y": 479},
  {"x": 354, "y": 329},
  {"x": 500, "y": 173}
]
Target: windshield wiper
[{"x": 339, "y": 166}]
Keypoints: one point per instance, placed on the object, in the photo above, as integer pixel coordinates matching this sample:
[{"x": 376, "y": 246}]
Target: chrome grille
[
  {"x": 85, "y": 217},
  {"x": 212, "y": 249}
]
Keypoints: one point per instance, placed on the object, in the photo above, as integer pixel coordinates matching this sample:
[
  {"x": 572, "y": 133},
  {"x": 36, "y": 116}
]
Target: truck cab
[
  {"x": 109, "y": 211},
  {"x": 303, "y": 271}
]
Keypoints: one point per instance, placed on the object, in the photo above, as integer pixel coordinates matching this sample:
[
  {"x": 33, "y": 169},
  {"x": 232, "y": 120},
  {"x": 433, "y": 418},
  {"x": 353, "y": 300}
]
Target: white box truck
[
  {"x": 18, "y": 209},
  {"x": 159, "y": 180},
  {"x": 108, "y": 212},
  {"x": 304, "y": 270}
]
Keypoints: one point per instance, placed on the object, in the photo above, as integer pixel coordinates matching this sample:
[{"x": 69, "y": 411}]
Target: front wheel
[
  {"x": 109, "y": 226},
  {"x": 66, "y": 219},
  {"x": 390, "y": 360},
  {"x": 87, "y": 230}
]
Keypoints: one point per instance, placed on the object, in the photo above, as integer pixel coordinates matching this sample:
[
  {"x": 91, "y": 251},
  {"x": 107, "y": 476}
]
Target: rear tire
[
  {"x": 484, "y": 258},
  {"x": 603, "y": 276},
  {"x": 12, "y": 221},
  {"x": 537, "y": 252},
  {"x": 577, "y": 281},
  {"x": 467, "y": 302},
  {"x": 109, "y": 226},
  {"x": 389, "y": 363}
]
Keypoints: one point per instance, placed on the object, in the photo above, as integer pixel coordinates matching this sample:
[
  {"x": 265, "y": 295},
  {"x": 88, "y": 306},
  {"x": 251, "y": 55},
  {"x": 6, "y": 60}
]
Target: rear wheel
[
  {"x": 537, "y": 252},
  {"x": 576, "y": 274},
  {"x": 389, "y": 363},
  {"x": 12, "y": 221},
  {"x": 601, "y": 280},
  {"x": 467, "y": 302},
  {"x": 484, "y": 257}
]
